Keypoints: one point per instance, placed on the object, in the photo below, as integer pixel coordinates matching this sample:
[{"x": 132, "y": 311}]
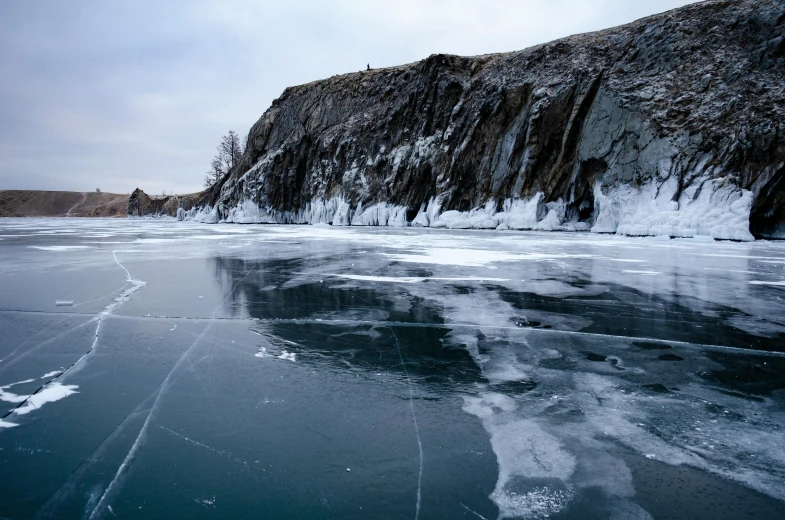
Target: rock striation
[{"x": 671, "y": 125}]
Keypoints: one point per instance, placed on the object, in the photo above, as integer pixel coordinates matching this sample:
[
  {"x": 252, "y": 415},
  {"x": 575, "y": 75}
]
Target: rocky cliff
[
  {"x": 672, "y": 125},
  {"x": 140, "y": 204}
]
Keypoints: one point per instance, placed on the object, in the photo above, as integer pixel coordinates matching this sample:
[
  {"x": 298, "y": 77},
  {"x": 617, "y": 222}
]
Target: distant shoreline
[{"x": 44, "y": 203}]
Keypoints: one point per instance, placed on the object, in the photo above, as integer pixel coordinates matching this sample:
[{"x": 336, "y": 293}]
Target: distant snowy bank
[{"x": 710, "y": 208}]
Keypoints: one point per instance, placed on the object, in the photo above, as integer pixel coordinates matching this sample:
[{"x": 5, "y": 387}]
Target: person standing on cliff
[{"x": 369, "y": 67}]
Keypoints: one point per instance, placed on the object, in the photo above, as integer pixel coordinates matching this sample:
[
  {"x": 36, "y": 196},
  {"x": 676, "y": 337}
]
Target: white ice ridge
[
  {"x": 714, "y": 208},
  {"x": 708, "y": 207}
]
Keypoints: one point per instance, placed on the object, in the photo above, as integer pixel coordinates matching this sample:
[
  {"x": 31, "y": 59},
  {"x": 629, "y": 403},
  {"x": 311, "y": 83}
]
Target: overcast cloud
[{"x": 119, "y": 94}]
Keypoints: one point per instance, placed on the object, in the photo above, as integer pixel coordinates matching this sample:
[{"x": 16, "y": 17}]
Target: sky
[{"x": 118, "y": 94}]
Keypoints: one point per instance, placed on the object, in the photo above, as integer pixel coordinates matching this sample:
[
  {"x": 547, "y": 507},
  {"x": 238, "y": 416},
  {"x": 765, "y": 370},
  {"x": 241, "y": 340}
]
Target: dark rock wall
[
  {"x": 141, "y": 204},
  {"x": 691, "y": 94}
]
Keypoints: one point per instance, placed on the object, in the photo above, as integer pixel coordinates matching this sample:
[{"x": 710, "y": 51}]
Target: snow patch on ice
[
  {"x": 541, "y": 502},
  {"x": 523, "y": 450},
  {"x": 60, "y": 248},
  {"x": 289, "y": 356},
  {"x": 415, "y": 279},
  {"x": 471, "y": 257},
  {"x": 48, "y": 394},
  {"x": 10, "y": 397}
]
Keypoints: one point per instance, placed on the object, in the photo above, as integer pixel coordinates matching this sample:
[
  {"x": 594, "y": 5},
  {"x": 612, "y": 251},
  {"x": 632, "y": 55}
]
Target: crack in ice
[
  {"x": 414, "y": 420},
  {"x": 161, "y": 391},
  {"x": 53, "y": 390}
]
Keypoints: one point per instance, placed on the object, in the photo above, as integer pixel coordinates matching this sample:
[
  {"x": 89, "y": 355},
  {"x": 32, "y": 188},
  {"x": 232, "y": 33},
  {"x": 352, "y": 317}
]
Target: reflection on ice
[
  {"x": 525, "y": 452},
  {"x": 586, "y": 365}
]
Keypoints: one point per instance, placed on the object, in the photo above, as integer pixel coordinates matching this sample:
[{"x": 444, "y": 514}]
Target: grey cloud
[{"x": 117, "y": 95}]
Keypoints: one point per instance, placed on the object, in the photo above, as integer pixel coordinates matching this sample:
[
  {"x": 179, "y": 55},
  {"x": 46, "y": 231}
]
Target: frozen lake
[{"x": 164, "y": 369}]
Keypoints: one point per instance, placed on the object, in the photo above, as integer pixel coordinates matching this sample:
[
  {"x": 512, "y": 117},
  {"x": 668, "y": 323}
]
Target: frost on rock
[
  {"x": 480, "y": 218},
  {"x": 428, "y": 214},
  {"x": 708, "y": 207},
  {"x": 517, "y": 214},
  {"x": 381, "y": 214},
  {"x": 521, "y": 213}
]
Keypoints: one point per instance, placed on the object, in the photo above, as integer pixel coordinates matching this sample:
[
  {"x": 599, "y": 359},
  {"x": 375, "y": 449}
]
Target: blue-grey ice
[{"x": 458, "y": 373}]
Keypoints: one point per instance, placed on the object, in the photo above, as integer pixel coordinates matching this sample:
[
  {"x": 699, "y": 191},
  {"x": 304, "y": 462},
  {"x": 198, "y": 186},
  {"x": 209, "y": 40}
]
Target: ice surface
[{"x": 569, "y": 368}]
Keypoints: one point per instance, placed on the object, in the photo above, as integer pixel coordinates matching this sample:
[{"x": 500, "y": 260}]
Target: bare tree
[
  {"x": 215, "y": 172},
  {"x": 230, "y": 149},
  {"x": 229, "y": 152}
]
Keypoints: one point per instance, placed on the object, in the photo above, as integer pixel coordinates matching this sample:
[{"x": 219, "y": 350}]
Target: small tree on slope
[{"x": 229, "y": 152}]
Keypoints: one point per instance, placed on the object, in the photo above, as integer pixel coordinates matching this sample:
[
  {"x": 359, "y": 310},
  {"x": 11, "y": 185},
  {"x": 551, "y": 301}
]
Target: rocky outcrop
[
  {"x": 672, "y": 125},
  {"x": 140, "y": 204}
]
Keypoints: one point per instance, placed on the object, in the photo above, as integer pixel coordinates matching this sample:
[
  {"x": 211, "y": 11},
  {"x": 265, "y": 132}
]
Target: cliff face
[{"x": 674, "y": 124}]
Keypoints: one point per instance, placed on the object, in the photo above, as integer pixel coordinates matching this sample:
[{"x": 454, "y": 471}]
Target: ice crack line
[
  {"x": 201, "y": 445},
  {"x": 122, "y": 298},
  {"x": 162, "y": 390},
  {"x": 414, "y": 420}
]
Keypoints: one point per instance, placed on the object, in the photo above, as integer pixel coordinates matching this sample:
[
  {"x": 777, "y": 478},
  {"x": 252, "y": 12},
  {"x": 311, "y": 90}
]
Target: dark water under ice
[{"x": 160, "y": 369}]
